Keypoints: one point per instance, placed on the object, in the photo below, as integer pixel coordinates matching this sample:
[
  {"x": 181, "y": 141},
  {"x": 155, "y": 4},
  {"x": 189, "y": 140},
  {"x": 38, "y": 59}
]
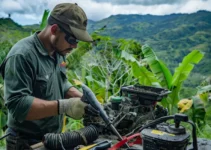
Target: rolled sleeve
[
  {"x": 67, "y": 86},
  {"x": 18, "y": 86}
]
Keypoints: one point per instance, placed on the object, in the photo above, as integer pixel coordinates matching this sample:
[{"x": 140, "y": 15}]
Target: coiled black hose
[{"x": 72, "y": 139}]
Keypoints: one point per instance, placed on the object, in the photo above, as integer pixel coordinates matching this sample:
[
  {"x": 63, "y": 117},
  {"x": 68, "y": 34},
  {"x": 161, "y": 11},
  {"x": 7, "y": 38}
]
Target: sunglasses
[{"x": 70, "y": 38}]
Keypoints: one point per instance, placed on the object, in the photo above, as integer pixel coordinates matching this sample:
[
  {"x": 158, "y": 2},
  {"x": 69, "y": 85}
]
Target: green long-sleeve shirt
[{"x": 30, "y": 72}]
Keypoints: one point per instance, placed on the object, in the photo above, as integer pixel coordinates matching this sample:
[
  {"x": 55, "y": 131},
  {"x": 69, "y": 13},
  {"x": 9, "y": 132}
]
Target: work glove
[{"x": 76, "y": 108}]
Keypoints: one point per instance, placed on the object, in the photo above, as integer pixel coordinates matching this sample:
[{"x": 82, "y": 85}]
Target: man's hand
[
  {"x": 91, "y": 111},
  {"x": 75, "y": 108}
]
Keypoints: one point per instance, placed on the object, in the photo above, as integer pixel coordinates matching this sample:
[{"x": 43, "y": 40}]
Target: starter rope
[{"x": 60, "y": 141}]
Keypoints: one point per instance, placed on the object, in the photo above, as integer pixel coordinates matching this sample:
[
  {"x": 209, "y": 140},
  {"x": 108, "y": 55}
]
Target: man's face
[{"x": 64, "y": 43}]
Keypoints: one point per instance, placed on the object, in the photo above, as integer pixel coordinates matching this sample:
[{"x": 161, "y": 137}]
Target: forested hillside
[{"x": 171, "y": 36}]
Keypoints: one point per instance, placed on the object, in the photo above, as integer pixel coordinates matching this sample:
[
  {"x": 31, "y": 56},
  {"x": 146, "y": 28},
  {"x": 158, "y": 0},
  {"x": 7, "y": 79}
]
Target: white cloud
[
  {"x": 11, "y": 6},
  {"x": 30, "y": 11},
  {"x": 195, "y": 5},
  {"x": 140, "y": 2}
]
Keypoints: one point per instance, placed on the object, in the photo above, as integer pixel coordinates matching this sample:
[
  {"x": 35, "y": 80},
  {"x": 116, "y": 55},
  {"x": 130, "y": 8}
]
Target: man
[{"x": 36, "y": 91}]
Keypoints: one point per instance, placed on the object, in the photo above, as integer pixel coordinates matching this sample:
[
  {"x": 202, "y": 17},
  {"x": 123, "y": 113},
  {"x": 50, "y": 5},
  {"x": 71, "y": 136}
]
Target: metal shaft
[
  {"x": 89, "y": 95},
  {"x": 117, "y": 134}
]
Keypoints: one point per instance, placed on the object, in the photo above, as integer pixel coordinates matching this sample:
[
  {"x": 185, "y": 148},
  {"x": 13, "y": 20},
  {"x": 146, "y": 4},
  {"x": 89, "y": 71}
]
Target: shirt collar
[
  {"x": 41, "y": 49},
  {"x": 39, "y": 45}
]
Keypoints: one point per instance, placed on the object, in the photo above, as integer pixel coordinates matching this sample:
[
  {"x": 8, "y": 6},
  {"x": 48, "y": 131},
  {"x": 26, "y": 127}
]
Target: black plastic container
[{"x": 144, "y": 93}]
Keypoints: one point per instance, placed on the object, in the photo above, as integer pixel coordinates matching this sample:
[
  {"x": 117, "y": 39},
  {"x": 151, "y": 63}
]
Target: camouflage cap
[{"x": 74, "y": 17}]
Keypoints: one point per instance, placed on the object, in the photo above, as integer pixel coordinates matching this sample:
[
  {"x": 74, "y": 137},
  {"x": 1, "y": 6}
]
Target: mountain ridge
[{"x": 176, "y": 33}]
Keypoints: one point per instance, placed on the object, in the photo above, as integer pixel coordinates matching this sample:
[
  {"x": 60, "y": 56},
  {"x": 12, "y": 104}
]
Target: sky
[{"x": 27, "y": 12}]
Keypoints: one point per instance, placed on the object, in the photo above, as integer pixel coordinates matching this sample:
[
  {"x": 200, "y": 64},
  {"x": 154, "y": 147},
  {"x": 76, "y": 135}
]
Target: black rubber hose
[{"x": 72, "y": 139}]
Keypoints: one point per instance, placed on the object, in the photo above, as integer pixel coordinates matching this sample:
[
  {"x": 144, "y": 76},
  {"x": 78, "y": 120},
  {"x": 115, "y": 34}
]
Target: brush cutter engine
[{"x": 135, "y": 106}]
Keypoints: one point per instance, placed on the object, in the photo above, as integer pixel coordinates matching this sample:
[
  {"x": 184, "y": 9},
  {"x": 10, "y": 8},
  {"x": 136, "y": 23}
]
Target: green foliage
[
  {"x": 44, "y": 19},
  {"x": 73, "y": 124},
  {"x": 200, "y": 112},
  {"x": 10, "y": 31},
  {"x": 4, "y": 49},
  {"x": 74, "y": 59},
  {"x": 158, "y": 68},
  {"x": 171, "y": 36},
  {"x": 6, "y": 23},
  {"x": 159, "y": 74},
  {"x": 3, "y": 117},
  {"x": 101, "y": 66},
  {"x": 181, "y": 74},
  {"x": 139, "y": 71},
  {"x": 204, "y": 89}
]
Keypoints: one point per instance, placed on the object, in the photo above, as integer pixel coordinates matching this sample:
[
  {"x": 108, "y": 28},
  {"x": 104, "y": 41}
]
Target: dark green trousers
[{"x": 17, "y": 141}]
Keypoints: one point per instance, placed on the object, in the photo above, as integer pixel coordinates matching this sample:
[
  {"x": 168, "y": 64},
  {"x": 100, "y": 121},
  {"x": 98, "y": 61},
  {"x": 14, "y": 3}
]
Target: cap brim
[{"x": 81, "y": 35}]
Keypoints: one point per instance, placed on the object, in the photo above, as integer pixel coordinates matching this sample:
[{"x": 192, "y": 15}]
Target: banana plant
[
  {"x": 181, "y": 74},
  {"x": 159, "y": 75}
]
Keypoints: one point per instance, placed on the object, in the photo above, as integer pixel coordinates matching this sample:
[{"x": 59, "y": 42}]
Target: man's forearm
[
  {"x": 73, "y": 92},
  {"x": 42, "y": 109}
]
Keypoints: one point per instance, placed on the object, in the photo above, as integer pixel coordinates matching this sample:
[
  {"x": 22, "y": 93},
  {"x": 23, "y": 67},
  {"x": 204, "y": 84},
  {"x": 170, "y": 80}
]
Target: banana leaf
[
  {"x": 204, "y": 89},
  {"x": 127, "y": 57},
  {"x": 158, "y": 67},
  {"x": 44, "y": 19},
  {"x": 198, "y": 110},
  {"x": 98, "y": 87},
  {"x": 144, "y": 76},
  {"x": 181, "y": 74}
]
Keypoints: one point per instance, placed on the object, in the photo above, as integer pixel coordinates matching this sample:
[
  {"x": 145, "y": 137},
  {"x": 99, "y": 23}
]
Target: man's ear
[{"x": 54, "y": 29}]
